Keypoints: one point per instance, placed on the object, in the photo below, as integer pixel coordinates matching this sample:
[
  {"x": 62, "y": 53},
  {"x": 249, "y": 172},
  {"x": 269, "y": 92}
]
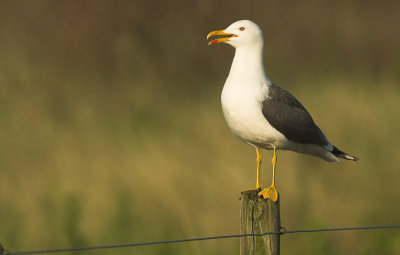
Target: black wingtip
[
  {"x": 350, "y": 157},
  {"x": 340, "y": 154}
]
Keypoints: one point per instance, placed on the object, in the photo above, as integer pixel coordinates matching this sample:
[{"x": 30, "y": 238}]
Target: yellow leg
[
  {"x": 259, "y": 159},
  {"x": 271, "y": 191}
]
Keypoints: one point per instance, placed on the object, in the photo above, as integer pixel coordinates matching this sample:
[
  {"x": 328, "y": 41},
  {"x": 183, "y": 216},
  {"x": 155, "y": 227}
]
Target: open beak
[{"x": 219, "y": 40}]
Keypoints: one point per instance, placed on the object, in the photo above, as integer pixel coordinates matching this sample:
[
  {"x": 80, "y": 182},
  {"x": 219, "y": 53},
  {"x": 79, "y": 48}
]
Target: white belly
[{"x": 243, "y": 114}]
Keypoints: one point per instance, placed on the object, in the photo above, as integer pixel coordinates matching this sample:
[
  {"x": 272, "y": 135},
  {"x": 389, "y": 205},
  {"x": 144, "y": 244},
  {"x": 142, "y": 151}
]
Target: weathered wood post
[{"x": 258, "y": 216}]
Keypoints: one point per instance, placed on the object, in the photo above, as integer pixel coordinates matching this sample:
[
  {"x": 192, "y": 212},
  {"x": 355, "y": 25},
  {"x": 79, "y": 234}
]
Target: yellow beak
[{"x": 223, "y": 39}]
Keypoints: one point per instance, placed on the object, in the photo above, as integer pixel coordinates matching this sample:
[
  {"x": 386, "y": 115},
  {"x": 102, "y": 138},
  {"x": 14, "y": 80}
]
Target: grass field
[{"x": 113, "y": 133}]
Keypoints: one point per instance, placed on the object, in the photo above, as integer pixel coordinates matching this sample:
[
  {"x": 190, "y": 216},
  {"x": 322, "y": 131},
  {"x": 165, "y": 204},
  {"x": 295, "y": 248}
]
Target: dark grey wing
[{"x": 287, "y": 115}]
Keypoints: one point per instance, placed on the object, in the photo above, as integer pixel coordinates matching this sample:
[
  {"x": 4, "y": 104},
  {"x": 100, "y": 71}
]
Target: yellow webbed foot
[{"x": 270, "y": 193}]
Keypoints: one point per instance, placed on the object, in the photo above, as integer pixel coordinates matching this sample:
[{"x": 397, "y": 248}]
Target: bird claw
[{"x": 270, "y": 193}]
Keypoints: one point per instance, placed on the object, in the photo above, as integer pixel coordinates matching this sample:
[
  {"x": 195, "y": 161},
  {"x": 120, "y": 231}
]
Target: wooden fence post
[{"x": 259, "y": 216}]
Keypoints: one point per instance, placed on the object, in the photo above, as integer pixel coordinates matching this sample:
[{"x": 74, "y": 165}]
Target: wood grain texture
[{"x": 259, "y": 216}]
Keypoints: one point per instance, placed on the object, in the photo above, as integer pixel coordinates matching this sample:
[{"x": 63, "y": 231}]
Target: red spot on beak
[{"x": 214, "y": 42}]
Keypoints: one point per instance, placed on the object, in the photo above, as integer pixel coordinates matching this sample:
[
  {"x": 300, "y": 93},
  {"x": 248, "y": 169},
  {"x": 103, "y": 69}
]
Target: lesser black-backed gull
[{"x": 261, "y": 113}]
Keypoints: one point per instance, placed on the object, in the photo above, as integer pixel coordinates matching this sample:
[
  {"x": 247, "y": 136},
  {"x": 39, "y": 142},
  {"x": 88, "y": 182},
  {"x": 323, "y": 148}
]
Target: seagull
[{"x": 261, "y": 113}]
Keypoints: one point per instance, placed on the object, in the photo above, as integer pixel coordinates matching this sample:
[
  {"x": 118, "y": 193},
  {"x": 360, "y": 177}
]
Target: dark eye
[{"x": 242, "y": 28}]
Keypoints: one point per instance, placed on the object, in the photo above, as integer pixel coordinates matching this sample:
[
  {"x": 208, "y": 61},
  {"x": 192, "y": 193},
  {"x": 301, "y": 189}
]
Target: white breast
[{"x": 242, "y": 108}]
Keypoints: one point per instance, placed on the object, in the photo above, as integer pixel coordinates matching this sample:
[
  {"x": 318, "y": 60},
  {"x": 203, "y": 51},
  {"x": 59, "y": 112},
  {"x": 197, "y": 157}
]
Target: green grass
[
  {"x": 176, "y": 172},
  {"x": 111, "y": 130}
]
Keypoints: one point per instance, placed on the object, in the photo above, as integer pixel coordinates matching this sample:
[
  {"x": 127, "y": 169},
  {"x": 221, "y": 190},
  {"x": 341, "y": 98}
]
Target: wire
[
  {"x": 4, "y": 252},
  {"x": 339, "y": 229}
]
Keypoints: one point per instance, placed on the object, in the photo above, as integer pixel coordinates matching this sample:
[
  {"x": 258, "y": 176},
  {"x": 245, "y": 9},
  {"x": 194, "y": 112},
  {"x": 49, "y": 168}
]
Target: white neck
[{"x": 248, "y": 64}]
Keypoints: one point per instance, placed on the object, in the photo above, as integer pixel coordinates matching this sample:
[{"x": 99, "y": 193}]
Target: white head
[{"x": 242, "y": 33}]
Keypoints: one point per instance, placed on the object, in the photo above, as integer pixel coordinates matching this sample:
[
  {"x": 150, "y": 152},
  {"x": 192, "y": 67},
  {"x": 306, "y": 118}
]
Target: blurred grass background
[{"x": 111, "y": 129}]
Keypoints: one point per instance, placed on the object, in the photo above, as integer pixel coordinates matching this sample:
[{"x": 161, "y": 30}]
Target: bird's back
[{"x": 286, "y": 114}]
